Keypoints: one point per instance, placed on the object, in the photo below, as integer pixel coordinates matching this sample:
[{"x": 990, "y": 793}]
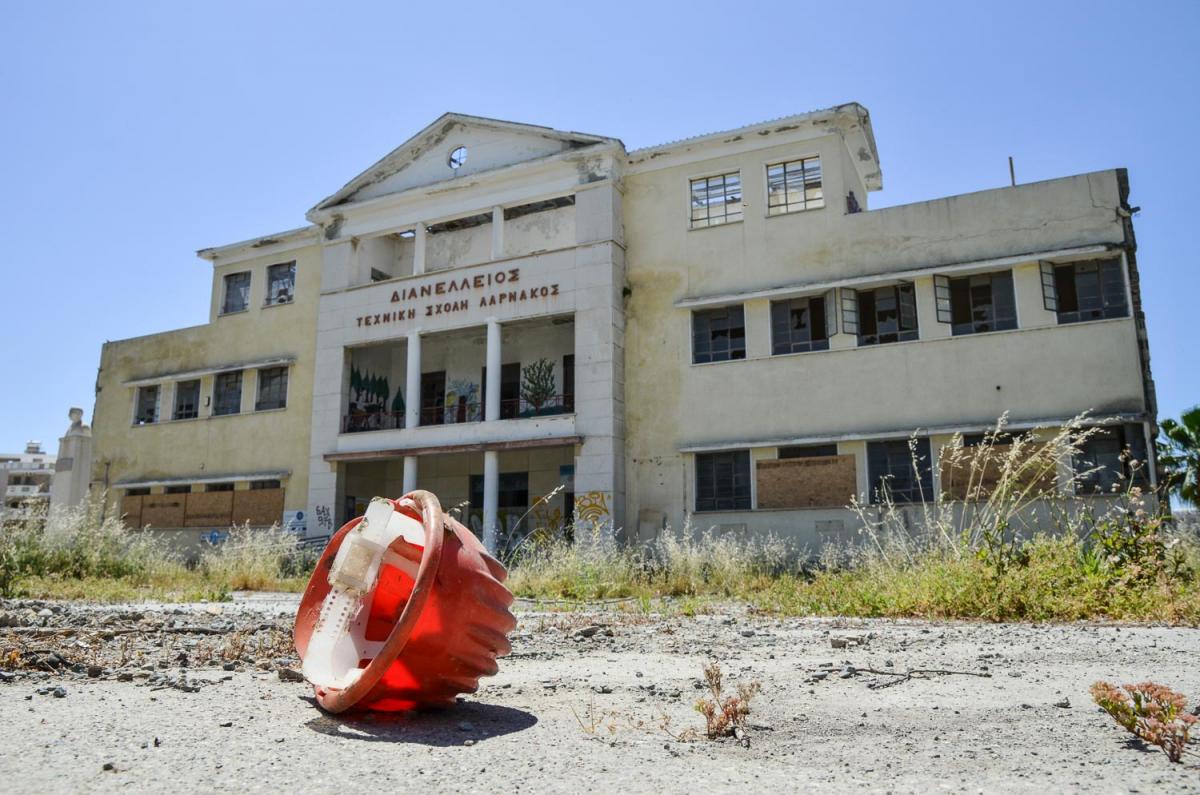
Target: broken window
[
  {"x": 795, "y": 185},
  {"x": 718, "y": 335},
  {"x": 900, "y": 473},
  {"x": 979, "y": 303},
  {"x": 281, "y": 283},
  {"x": 808, "y": 451},
  {"x": 716, "y": 200},
  {"x": 146, "y": 411},
  {"x": 227, "y": 393},
  {"x": 799, "y": 325},
  {"x": 887, "y": 314},
  {"x": 258, "y": 485},
  {"x": 1111, "y": 460},
  {"x": 237, "y": 293},
  {"x": 1092, "y": 290},
  {"x": 723, "y": 481},
  {"x": 187, "y": 400},
  {"x": 272, "y": 388}
]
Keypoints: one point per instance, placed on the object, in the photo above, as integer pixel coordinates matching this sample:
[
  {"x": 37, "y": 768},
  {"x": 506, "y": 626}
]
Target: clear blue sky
[{"x": 134, "y": 134}]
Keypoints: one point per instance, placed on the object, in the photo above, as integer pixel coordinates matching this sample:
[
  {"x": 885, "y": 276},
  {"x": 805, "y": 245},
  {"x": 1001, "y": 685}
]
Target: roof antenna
[{"x": 1012, "y": 174}]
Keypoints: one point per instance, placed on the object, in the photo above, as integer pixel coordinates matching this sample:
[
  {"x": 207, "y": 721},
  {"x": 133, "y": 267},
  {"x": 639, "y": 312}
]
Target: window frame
[
  {"x": 863, "y": 339},
  {"x": 216, "y": 394},
  {"x": 1105, "y": 310},
  {"x": 786, "y": 208},
  {"x": 268, "y": 301},
  {"x": 258, "y": 389},
  {"x": 741, "y": 502},
  {"x": 137, "y": 405},
  {"x": 224, "y": 310},
  {"x": 708, "y": 222},
  {"x": 812, "y": 345},
  {"x": 920, "y": 490},
  {"x": 195, "y": 411},
  {"x": 1131, "y": 438},
  {"x": 695, "y": 314},
  {"x": 995, "y": 322}
]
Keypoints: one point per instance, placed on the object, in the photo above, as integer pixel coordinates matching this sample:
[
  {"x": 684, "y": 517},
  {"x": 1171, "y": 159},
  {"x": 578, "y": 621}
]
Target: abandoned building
[{"x": 718, "y": 328}]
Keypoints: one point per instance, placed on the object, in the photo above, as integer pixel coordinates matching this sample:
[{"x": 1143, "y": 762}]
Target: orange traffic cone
[{"x": 405, "y": 609}]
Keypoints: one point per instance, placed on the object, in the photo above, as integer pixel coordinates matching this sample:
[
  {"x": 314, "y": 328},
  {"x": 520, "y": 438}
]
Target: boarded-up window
[
  {"x": 131, "y": 509},
  {"x": 163, "y": 510},
  {"x": 973, "y": 471},
  {"x": 810, "y": 482},
  {"x": 259, "y": 507},
  {"x": 209, "y": 509}
]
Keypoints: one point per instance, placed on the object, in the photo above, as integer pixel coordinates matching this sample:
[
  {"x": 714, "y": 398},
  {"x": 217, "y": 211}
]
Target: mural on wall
[
  {"x": 462, "y": 401},
  {"x": 368, "y": 392},
  {"x": 591, "y": 507}
]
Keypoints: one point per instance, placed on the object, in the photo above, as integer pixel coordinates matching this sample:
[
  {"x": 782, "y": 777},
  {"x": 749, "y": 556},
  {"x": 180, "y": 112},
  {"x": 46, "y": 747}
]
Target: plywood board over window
[
  {"x": 259, "y": 507},
  {"x": 209, "y": 509},
  {"x": 163, "y": 510},
  {"x": 816, "y": 482},
  {"x": 131, "y": 509},
  {"x": 973, "y": 473}
]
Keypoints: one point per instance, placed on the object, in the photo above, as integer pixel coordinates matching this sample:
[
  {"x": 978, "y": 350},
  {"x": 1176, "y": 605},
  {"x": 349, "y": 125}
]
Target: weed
[
  {"x": 725, "y": 716},
  {"x": 1153, "y": 712}
]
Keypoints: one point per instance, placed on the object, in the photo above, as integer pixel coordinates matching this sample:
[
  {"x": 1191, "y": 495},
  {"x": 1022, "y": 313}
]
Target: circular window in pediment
[{"x": 457, "y": 157}]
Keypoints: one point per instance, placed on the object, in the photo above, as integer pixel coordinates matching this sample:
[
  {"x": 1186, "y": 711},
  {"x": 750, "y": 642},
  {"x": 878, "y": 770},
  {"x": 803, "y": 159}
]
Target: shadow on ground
[{"x": 467, "y": 722}]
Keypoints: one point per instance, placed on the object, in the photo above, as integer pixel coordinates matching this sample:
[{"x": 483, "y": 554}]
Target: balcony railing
[
  {"x": 359, "y": 421},
  {"x": 437, "y": 413}
]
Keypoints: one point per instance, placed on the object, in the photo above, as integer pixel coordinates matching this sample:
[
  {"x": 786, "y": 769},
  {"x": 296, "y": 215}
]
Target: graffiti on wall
[{"x": 592, "y": 507}]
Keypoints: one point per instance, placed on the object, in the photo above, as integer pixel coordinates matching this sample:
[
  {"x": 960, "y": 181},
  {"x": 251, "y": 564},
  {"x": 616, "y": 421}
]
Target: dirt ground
[{"x": 190, "y": 697}]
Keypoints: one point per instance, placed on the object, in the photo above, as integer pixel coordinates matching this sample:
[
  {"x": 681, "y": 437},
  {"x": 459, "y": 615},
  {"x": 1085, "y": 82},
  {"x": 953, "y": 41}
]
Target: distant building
[
  {"x": 25, "y": 481},
  {"x": 718, "y": 329}
]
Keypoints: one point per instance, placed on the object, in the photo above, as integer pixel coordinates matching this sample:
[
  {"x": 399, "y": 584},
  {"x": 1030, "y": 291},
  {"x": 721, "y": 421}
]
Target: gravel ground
[{"x": 198, "y": 698}]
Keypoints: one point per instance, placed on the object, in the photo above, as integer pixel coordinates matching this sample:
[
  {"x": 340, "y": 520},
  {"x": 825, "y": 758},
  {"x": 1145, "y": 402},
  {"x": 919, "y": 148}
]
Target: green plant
[
  {"x": 1179, "y": 455},
  {"x": 537, "y": 383},
  {"x": 1153, "y": 712}
]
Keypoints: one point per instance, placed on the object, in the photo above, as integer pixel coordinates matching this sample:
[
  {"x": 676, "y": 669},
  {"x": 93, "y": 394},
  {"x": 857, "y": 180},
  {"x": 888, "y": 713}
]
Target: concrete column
[
  {"x": 492, "y": 408},
  {"x": 410, "y": 473},
  {"x": 412, "y": 384},
  {"x": 491, "y": 496},
  {"x": 419, "y": 249},
  {"x": 497, "y": 233}
]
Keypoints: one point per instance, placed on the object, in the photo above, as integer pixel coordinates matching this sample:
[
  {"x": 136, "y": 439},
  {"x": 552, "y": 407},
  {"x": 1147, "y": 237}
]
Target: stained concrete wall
[
  {"x": 1041, "y": 370},
  {"x": 209, "y": 446}
]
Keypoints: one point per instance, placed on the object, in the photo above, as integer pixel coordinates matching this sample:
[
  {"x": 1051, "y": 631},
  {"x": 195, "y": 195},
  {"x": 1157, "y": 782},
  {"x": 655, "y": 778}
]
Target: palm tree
[{"x": 1179, "y": 454}]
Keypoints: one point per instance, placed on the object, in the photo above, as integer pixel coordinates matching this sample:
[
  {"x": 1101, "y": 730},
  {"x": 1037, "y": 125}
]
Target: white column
[
  {"x": 419, "y": 249},
  {"x": 410, "y": 473},
  {"x": 412, "y": 378},
  {"x": 491, "y": 411},
  {"x": 491, "y": 498},
  {"x": 497, "y": 233}
]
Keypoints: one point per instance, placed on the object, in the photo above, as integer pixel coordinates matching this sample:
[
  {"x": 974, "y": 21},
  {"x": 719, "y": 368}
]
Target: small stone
[
  {"x": 290, "y": 675},
  {"x": 838, "y": 643},
  {"x": 468, "y": 742},
  {"x": 588, "y": 632},
  {"x": 227, "y": 724},
  {"x": 229, "y": 666},
  {"x": 747, "y": 633},
  {"x": 59, "y": 692},
  {"x": 1064, "y": 704},
  {"x": 846, "y": 673},
  {"x": 45, "y": 612},
  {"x": 94, "y": 671},
  {"x": 602, "y": 689},
  {"x": 109, "y": 766}
]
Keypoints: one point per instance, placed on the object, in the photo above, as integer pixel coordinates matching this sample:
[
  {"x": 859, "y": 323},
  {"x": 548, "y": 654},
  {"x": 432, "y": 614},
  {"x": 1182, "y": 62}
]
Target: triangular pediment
[{"x": 425, "y": 159}]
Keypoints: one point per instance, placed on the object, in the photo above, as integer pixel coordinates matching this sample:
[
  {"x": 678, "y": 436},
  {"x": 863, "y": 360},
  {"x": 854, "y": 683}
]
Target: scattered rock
[
  {"x": 1064, "y": 704},
  {"x": 59, "y": 692},
  {"x": 290, "y": 675}
]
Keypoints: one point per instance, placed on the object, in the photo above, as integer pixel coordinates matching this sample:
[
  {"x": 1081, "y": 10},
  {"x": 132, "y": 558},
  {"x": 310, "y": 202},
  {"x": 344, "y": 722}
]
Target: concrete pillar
[
  {"x": 410, "y": 473},
  {"x": 492, "y": 408},
  {"x": 73, "y": 467},
  {"x": 491, "y": 497},
  {"x": 412, "y": 385},
  {"x": 419, "y": 249},
  {"x": 497, "y": 233}
]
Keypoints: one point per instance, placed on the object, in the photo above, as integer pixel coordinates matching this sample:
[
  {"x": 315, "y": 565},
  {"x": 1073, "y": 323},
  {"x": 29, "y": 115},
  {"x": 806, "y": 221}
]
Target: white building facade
[{"x": 545, "y": 329}]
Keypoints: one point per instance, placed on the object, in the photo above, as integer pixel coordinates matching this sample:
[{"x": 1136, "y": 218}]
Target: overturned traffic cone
[{"x": 405, "y": 609}]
